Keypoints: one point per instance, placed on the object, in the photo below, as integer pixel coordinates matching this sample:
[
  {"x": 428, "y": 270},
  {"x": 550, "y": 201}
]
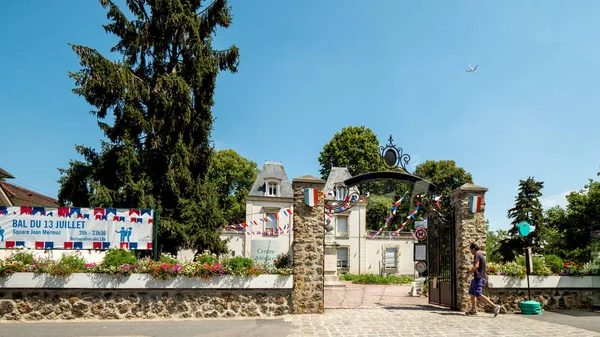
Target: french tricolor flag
[
  {"x": 311, "y": 196},
  {"x": 475, "y": 203}
]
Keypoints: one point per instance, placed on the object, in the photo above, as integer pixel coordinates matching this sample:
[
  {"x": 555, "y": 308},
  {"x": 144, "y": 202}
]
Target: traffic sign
[
  {"x": 420, "y": 234},
  {"x": 420, "y": 267},
  {"x": 524, "y": 228}
]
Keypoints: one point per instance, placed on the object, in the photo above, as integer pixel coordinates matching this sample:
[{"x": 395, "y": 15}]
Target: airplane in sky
[{"x": 472, "y": 69}]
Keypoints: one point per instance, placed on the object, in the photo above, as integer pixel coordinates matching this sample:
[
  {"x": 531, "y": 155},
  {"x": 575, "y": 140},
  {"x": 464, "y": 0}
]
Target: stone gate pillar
[
  {"x": 308, "y": 295},
  {"x": 470, "y": 228}
]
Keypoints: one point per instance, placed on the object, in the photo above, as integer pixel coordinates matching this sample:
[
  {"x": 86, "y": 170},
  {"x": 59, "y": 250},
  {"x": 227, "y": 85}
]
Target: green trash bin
[{"x": 530, "y": 308}]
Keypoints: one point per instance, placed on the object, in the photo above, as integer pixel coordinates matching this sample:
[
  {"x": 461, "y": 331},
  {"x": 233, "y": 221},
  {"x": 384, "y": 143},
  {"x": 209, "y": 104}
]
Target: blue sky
[{"x": 309, "y": 68}]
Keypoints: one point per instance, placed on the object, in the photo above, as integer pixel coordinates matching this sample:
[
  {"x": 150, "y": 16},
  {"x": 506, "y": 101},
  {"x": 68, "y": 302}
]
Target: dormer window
[
  {"x": 272, "y": 189},
  {"x": 341, "y": 193}
]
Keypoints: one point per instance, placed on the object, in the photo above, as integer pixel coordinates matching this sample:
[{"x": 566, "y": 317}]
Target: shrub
[
  {"x": 167, "y": 258},
  {"x": 555, "y": 263},
  {"x": 283, "y": 261},
  {"x": 239, "y": 265},
  {"x": 118, "y": 257},
  {"x": 25, "y": 257},
  {"x": 376, "y": 279},
  {"x": 539, "y": 265},
  {"x": 206, "y": 259}
]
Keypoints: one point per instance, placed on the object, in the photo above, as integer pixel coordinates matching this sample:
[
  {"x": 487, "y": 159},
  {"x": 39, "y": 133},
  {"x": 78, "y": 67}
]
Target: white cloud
[{"x": 555, "y": 200}]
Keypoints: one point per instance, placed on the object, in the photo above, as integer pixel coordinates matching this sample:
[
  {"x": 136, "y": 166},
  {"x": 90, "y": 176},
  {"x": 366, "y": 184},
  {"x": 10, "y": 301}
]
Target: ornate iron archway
[{"x": 441, "y": 261}]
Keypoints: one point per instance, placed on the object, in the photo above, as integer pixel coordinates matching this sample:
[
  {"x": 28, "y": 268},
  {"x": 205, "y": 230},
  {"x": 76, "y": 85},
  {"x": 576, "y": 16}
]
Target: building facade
[{"x": 268, "y": 231}]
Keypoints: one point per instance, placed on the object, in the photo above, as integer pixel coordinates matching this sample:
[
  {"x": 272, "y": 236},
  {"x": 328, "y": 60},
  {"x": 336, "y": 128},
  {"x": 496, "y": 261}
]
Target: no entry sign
[{"x": 421, "y": 234}]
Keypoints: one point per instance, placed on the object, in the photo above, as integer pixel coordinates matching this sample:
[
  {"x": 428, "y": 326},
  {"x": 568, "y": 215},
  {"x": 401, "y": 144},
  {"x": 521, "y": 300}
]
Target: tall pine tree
[
  {"x": 160, "y": 95},
  {"x": 527, "y": 208}
]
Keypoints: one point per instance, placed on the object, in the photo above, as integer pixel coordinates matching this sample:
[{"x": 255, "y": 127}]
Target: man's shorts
[{"x": 476, "y": 287}]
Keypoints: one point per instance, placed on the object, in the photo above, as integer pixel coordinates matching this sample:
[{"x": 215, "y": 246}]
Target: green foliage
[
  {"x": 167, "y": 258},
  {"x": 23, "y": 256},
  {"x": 493, "y": 243},
  {"x": 118, "y": 257},
  {"x": 378, "y": 208},
  {"x": 206, "y": 259},
  {"x": 355, "y": 147},
  {"x": 527, "y": 208},
  {"x": 555, "y": 263},
  {"x": 509, "y": 269},
  {"x": 283, "y": 261},
  {"x": 158, "y": 97},
  {"x": 238, "y": 265},
  {"x": 73, "y": 261},
  {"x": 377, "y": 279},
  {"x": 233, "y": 175},
  {"x": 446, "y": 175},
  {"x": 539, "y": 265}
]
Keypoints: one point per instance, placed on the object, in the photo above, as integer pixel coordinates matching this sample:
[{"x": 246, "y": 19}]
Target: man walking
[{"x": 478, "y": 281}]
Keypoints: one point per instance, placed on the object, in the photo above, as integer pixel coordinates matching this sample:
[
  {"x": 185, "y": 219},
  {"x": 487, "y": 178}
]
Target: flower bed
[
  {"x": 27, "y": 280},
  {"x": 121, "y": 263},
  {"x": 518, "y": 270}
]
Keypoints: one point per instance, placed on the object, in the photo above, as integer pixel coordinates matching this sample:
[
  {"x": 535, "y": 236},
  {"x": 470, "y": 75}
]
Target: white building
[{"x": 268, "y": 232}]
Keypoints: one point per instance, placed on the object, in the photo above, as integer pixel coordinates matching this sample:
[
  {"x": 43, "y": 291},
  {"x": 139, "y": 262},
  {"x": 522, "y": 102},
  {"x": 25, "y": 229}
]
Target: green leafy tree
[
  {"x": 233, "y": 175},
  {"x": 160, "y": 95},
  {"x": 571, "y": 225},
  {"x": 378, "y": 208},
  {"x": 492, "y": 248},
  {"x": 446, "y": 175},
  {"x": 355, "y": 147},
  {"x": 527, "y": 208}
]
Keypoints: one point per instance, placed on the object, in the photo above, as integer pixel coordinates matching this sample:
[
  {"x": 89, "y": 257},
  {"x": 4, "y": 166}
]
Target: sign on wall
[
  {"x": 75, "y": 228},
  {"x": 265, "y": 251},
  {"x": 420, "y": 252}
]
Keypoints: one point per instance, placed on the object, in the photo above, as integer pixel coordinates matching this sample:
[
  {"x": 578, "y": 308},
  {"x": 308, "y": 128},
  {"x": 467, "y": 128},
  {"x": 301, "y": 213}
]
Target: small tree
[{"x": 527, "y": 208}]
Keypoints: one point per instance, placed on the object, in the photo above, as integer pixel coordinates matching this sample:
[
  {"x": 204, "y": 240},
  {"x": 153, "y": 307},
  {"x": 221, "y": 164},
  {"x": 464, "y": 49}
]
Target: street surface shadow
[
  {"x": 575, "y": 313},
  {"x": 418, "y": 307}
]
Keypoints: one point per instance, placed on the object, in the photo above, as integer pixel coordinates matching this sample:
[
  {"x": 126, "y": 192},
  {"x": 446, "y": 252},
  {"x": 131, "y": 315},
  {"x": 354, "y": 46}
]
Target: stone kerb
[
  {"x": 470, "y": 228},
  {"x": 308, "y": 249}
]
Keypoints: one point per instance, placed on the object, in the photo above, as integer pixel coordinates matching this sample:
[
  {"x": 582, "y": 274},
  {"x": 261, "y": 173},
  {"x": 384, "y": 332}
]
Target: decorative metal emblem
[
  {"x": 345, "y": 200},
  {"x": 393, "y": 156}
]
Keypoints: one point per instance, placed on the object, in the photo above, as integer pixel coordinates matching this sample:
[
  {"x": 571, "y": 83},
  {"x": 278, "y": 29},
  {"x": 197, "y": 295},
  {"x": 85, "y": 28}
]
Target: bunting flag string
[
  {"x": 408, "y": 218},
  {"x": 287, "y": 212},
  {"x": 392, "y": 215}
]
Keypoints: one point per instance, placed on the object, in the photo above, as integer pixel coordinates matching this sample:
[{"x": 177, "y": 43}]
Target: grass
[{"x": 376, "y": 279}]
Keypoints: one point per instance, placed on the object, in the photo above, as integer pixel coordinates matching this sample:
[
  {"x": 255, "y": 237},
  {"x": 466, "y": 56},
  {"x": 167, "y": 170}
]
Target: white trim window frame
[
  {"x": 343, "y": 261},
  {"x": 343, "y": 230}
]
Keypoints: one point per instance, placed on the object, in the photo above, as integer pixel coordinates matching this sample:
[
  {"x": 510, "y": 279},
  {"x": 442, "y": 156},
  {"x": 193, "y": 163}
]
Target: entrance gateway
[{"x": 440, "y": 263}]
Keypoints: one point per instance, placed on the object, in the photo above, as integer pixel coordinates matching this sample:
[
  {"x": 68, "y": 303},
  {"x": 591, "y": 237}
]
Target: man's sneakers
[{"x": 474, "y": 313}]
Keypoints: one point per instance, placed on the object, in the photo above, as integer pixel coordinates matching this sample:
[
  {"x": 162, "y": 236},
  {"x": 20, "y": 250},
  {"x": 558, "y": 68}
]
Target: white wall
[
  {"x": 90, "y": 256},
  {"x": 257, "y": 209},
  {"x": 376, "y": 255}
]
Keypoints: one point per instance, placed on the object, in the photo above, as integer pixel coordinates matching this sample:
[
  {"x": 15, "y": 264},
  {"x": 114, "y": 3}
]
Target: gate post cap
[
  {"x": 468, "y": 187},
  {"x": 308, "y": 179}
]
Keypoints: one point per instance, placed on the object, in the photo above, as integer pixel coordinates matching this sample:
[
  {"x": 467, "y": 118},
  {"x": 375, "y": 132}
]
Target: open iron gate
[{"x": 441, "y": 252}]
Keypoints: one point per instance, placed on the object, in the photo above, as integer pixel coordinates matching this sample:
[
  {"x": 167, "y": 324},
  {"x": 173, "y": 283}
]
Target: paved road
[{"x": 144, "y": 328}]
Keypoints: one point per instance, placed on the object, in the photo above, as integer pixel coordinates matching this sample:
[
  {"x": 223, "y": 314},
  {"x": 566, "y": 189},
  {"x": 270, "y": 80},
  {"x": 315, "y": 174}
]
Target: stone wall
[
  {"x": 42, "y": 304},
  {"x": 308, "y": 295},
  {"x": 509, "y": 298},
  {"x": 470, "y": 228}
]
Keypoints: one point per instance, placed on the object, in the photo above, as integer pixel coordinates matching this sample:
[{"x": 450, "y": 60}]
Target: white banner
[{"x": 75, "y": 228}]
